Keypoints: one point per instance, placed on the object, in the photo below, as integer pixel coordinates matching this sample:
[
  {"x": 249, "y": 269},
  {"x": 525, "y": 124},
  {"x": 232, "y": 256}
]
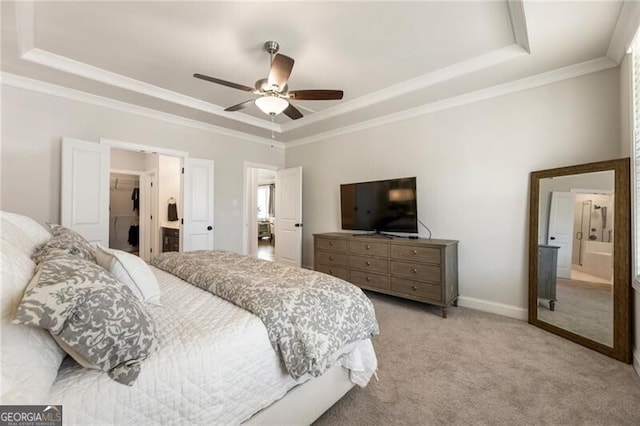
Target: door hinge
[
  {"x": 151, "y": 183},
  {"x": 151, "y": 217},
  {"x": 183, "y": 170},
  {"x": 182, "y": 221},
  {"x": 151, "y": 250}
]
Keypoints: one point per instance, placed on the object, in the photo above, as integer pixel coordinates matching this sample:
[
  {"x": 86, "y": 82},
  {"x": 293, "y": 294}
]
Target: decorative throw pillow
[
  {"x": 89, "y": 310},
  {"x": 64, "y": 241},
  {"x": 131, "y": 271}
]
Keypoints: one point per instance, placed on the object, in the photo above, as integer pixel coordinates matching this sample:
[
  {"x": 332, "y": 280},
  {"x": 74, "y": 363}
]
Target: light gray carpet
[
  {"x": 585, "y": 308},
  {"x": 475, "y": 368}
]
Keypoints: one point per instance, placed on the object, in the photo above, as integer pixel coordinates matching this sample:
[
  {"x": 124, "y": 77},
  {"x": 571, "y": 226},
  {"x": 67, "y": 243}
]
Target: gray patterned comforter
[{"x": 308, "y": 315}]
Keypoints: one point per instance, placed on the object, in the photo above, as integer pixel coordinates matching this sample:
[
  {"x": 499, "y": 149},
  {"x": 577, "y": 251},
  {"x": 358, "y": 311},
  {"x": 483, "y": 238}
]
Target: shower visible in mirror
[
  {"x": 579, "y": 262},
  {"x": 577, "y": 237}
]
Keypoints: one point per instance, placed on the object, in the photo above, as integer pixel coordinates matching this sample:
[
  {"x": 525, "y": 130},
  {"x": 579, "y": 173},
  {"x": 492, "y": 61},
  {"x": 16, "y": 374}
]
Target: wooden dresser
[{"x": 418, "y": 269}]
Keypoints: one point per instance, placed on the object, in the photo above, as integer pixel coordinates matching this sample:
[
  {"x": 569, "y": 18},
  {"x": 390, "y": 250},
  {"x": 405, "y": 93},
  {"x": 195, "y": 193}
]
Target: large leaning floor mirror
[{"x": 579, "y": 255}]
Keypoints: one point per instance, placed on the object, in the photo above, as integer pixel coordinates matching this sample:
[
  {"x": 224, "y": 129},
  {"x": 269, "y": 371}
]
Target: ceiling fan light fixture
[{"x": 271, "y": 104}]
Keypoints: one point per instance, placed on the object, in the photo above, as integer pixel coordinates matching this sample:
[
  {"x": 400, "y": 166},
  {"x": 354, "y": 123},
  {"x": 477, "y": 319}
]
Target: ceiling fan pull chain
[{"x": 272, "y": 124}]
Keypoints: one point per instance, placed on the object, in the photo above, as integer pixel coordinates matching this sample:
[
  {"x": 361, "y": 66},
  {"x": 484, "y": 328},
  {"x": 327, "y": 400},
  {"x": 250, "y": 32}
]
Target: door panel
[
  {"x": 288, "y": 248},
  {"x": 84, "y": 199},
  {"x": 561, "y": 216},
  {"x": 198, "y": 205}
]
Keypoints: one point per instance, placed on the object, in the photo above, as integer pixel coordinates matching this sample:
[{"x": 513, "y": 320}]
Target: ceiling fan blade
[
  {"x": 315, "y": 95},
  {"x": 241, "y": 105},
  {"x": 280, "y": 71},
  {"x": 223, "y": 82},
  {"x": 292, "y": 112}
]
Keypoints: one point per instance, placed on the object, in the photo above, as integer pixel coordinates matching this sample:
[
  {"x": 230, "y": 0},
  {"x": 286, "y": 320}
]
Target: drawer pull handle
[
  {"x": 414, "y": 288},
  {"x": 330, "y": 257},
  {"x": 368, "y": 278},
  {"x": 414, "y": 271},
  {"x": 368, "y": 247},
  {"x": 330, "y": 243},
  {"x": 367, "y": 263},
  {"x": 414, "y": 252}
]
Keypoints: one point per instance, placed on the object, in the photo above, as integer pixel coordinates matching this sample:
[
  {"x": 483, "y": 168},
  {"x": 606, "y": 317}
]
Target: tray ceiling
[{"x": 390, "y": 58}]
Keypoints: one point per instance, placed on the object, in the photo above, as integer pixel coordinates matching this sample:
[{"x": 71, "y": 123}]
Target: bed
[{"x": 214, "y": 362}]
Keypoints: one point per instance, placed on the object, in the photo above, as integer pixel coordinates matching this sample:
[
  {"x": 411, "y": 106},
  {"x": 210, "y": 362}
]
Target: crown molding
[
  {"x": 77, "y": 95},
  {"x": 519, "y": 23},
  {"x": 26, "y": 35},
  {"x": 625, "y": 30},
  {"x": 478, "y": 63},
  {"x": 26, "y": 39},
  {"x": 572, "y": 71},
  {"x": 71, "y": 66},
  {"x": 25, "y": 25},
  {"x": 518, "y": 49}
]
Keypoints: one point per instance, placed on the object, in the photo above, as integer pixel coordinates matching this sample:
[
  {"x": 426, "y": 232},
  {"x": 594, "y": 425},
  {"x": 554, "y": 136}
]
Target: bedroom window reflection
[{"x": 263, "y": 201}]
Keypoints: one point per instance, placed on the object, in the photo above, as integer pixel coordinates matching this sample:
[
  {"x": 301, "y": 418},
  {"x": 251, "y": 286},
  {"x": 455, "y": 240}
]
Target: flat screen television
[{"x": 380, "y": 206}]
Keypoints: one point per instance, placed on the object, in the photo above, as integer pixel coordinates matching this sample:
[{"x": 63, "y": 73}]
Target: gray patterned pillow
[
  {"x": 95, "y": 318},
  {"x": 64, "y": 242}
]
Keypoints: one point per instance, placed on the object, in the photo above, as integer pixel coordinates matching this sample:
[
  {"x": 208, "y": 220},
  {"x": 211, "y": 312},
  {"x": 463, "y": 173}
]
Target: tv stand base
[{"x": 374, "y": 235}]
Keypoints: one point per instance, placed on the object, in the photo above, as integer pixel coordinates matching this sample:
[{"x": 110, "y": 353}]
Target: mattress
[{"x": 215, "y": 365}]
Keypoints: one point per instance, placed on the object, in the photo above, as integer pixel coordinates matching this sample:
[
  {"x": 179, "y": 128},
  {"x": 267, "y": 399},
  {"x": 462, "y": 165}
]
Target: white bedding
[{"x": 215, "y": 365}]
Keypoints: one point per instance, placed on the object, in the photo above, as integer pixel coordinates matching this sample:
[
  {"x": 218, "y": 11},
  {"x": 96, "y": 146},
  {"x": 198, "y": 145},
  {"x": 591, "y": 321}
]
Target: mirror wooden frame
[{"x": 621, "y": 349}]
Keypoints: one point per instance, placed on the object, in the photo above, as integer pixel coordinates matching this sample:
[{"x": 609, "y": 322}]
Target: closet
[
  {"x": 124, "y": 212},
  {"x": 144, "y": 212}
]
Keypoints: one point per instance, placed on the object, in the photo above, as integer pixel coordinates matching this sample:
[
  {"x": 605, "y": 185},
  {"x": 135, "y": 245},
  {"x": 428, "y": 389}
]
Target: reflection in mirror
[
  {"x": 579, "y": 254},
  {"x": 575, "y": 254}
]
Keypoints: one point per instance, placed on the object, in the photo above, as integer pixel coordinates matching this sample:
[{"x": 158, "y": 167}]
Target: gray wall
[
  {"x": 33, "y": 125},
  {"x": 472, "y": 165}
]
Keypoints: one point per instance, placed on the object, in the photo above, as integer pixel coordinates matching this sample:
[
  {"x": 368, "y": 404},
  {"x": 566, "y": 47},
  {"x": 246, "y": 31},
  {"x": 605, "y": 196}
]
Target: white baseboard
[
  {"x": 494, "y": 307},
  {"x": 636, "y": 360}
]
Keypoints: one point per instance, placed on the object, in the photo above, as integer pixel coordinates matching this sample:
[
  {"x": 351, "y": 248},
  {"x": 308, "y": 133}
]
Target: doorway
[
  {"x": 145, "y": 193},
  {"x": 285, "y": 220},
  {"x": 84, "y": 193},
  {"x": 124, "y": 212},
  {"x": 260, "y": 212},
  {"x": 592, "y": 251}
]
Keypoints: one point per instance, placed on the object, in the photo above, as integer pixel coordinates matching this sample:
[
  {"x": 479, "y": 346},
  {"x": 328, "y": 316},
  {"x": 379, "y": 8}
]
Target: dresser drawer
[
  {"x": 416, "y": 253},
  {"x": 332, "y": 244},
  {"x": 366, "y": 279},
  {"x": 416, "y": 271},
  {"x": 373, "y": 264},
  {"x": 329, "y": 258},
  {"x": 417, "y": 289},
  {"x": 336, "y": 271},
  {"x": 369, "y": 248}
]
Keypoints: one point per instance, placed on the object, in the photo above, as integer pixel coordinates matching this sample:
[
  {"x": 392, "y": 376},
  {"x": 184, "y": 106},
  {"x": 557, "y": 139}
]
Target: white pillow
[
  {"x": 14, "y": 236},
  {"x": 37, "y": 233},
  {"x": 131, "y": 271},
  {"x": 30, "y": 356}
]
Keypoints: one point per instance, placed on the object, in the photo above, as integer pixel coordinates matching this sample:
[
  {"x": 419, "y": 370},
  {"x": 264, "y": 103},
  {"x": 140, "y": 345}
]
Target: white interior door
[
  {"x": 288, "y": 243},
  {"x": 561, "y": 215},
  {"x": 198, "y": 225},
  {"x": 147, "y": 217},
  {"x": 84, "y": 198}
]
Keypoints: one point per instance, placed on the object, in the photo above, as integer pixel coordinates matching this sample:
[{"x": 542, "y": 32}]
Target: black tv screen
[{"x": 380, "y": 206}]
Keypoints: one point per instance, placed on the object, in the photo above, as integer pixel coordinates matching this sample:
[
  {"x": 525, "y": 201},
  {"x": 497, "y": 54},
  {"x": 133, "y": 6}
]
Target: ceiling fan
[{"x": 274, "y": 94}]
